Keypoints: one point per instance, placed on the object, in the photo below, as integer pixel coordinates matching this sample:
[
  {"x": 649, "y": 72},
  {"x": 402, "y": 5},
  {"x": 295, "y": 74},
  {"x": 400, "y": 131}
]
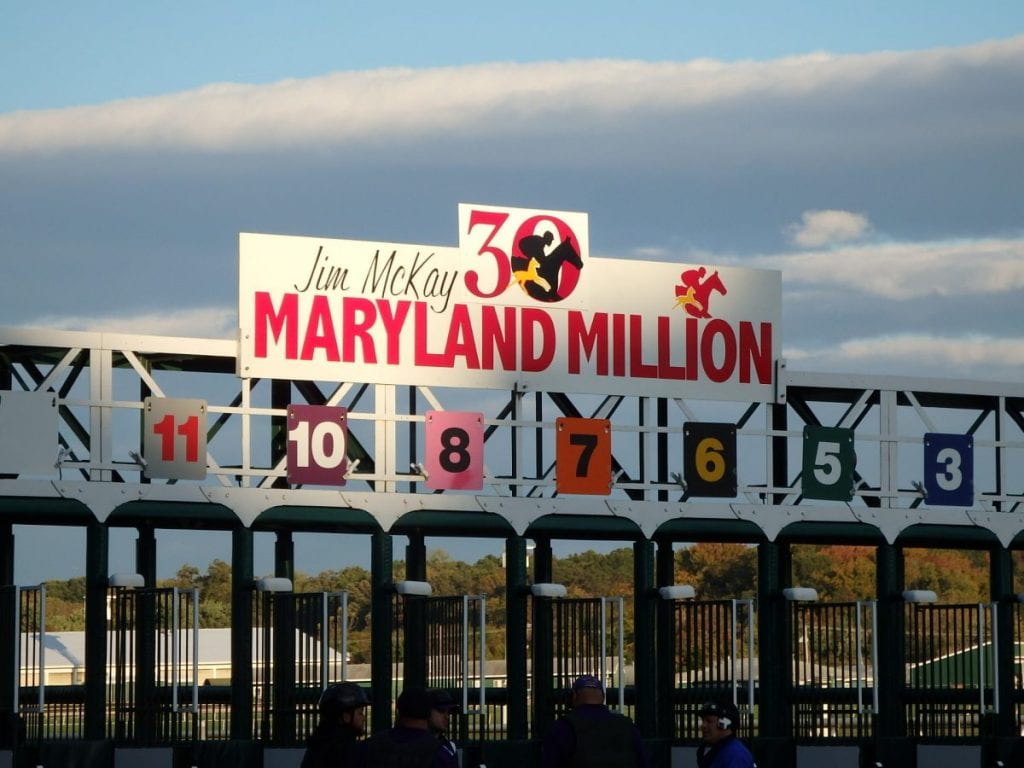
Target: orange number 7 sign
[{"x": 583, "y": 456}]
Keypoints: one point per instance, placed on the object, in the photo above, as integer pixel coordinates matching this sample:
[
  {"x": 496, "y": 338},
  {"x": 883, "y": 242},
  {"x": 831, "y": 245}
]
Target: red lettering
[
  {"x": 718, "y": 328},
  {"x": 357, "y": 318},
  {"x": 423, "y": 356},
  {"x": 461, "y": 342},
  {"x": 498, "y": 336},
  {"x": 533, "y": 320},
  {"x": 618, "y": 344},
  {"x": 692, "y": 347},
  {"x": 759, "y": 355},
  {"x": 285, "y": 321},
  {"x": 637, "y": 367},
  {"x": 665, "y": 368},
  {"x": 588, "y": 340},
  {"x": 393, "y": 318},
  {"x": 320, "y": 331}
]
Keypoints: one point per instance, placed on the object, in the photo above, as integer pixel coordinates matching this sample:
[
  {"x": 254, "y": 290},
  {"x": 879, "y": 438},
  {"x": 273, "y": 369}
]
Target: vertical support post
[
  {"x": 1001, "y": 591},
  {"x": 9, "y": 639},
  {"x": 97, "y": 552},
  {"x": 890, "y": 725},
  {"x": 381, "y": 629},
  {"x": 6, "y": 554},
  {"x": 241, "y": 632},
  {"x": 665, "y": 567},
  {"x": 775, "y": 694},
  {"x": 145, "y": 635},
  {"x": 643, "y": 634},
  {"x": 543, "y": 645},
  {"x": 284, "y": 555},
  {"x": 516, "y": 589},
  {"x": 415, "y": 615}
]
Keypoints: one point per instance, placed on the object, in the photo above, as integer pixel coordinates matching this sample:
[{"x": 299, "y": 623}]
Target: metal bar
[
  {"x": 175, "y": 649},
  {"x": 324, "y": 644}
]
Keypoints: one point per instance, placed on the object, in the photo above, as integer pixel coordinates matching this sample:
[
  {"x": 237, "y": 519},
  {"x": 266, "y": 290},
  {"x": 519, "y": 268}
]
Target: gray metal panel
[
  {"x": 282, "y": 758},
  {"x": 827, "y": 757},
  {"x": 160, "y": 757},
  {"x": 960, "y": 755},
  {"x": 6, "y": 759}
]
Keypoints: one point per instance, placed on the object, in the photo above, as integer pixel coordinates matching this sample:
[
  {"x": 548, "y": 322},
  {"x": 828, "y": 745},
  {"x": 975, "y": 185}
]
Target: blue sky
[
  {"x": 872, "y": 151},
  {"x": 87, "y": 53}
]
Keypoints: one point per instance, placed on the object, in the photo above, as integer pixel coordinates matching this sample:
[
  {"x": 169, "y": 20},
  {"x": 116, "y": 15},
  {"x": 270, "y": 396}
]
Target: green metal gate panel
[
  {"x": 713, "y": 658},
  {"x": 441, "y": 642},
  {"x": 300, "y": 647},
  {"x": 834, "y": 652},
  {"x": 950, "y": 665},
  {"x": 152, "y": 665}
]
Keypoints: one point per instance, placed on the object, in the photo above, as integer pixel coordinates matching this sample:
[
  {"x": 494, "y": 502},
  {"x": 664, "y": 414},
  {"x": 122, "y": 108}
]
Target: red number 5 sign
[{"x": 454, "y": 450}]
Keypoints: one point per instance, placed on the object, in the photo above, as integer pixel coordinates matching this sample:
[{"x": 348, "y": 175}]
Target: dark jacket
[{"x": 593, "y": 735}]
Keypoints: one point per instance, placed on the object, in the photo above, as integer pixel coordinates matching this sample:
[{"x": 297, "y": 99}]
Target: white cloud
[
  {"x": 908, "y": 270},
  {"x": 568, "y": 99},
  {"x": 918, "y": 355},
  {"x": 199, "y": 322},
  {"x": 819, "y": 228}
]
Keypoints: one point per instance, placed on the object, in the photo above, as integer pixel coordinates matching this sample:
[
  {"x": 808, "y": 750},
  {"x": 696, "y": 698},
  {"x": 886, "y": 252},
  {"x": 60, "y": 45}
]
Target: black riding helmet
[
  {"x": 342, "y": 698},
  {"x": 726, "y": 712}
]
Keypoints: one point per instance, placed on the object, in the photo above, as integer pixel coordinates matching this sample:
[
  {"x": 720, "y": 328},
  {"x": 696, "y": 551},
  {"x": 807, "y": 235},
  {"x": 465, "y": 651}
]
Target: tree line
[{"x": 715, "y": 570}]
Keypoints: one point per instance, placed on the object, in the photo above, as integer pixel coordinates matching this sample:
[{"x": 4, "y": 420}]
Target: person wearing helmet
[
  {"x": 719, "y": 721},
  {"x": 411, "y": 743},
  {"x": 335, "y": 740}
]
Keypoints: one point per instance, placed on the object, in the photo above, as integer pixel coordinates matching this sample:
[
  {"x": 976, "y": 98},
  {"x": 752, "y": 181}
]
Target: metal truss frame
[{"x": 101, "y": 380}]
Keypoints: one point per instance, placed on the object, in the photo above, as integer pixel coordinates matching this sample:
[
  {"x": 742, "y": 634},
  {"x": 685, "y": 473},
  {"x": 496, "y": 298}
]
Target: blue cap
[{"x": 587, "y": 681}]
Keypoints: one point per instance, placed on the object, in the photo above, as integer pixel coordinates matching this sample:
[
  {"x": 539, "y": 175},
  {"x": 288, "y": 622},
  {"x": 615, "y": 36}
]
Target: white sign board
[
  {"x": 520, "y": 304},
  {"x": 28, "y": 433}
]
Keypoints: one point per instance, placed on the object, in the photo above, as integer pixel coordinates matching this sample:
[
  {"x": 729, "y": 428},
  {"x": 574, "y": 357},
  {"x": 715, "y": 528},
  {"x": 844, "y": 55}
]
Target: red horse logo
[{"x": 694, "y": 291}]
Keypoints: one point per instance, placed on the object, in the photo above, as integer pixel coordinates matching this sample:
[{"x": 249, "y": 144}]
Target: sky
[{"x": 871, "y": 151}]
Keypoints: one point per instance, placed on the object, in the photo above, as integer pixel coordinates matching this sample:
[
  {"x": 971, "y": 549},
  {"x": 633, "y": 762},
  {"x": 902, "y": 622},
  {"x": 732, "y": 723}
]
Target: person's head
[
  {"x": 344, "y": 704},
  {"x": 442, "y": 704},
  {"x": 414, "y": 707},
  {"x": 718, "y": 720},
  {"x": 587, "y": 690}
]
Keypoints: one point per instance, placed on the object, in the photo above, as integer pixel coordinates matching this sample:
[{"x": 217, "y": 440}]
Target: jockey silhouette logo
[
  {"x": 546, "y": 262},
  {"x": 694, "y": 291}
]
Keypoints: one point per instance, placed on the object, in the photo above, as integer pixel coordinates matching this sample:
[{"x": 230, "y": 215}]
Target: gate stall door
[
  {"x": 573, "y": 637},
  {"x": 441, "y": 642},
  {"x": 152, "y": 665},
  {"x": 833, "y": 649},
  {"x": 951, "y": 680},
  {"x": 300, "y": 647},
  {"x": 23, "y": 612},
  {"x": 712, "y": 659}
]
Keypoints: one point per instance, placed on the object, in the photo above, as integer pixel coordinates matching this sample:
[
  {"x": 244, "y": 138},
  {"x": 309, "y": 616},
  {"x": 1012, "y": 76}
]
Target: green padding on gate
[
  {"x": 223, "y": 754},
  {"x": 948, "y": 754},
  {"x": 510, "y": 754},
  {"x": 156, "y": 757},
  {"x": 772, "y": 753},
  {"x": 77, "y": 754},
  {"x": 827, "y": 757}
]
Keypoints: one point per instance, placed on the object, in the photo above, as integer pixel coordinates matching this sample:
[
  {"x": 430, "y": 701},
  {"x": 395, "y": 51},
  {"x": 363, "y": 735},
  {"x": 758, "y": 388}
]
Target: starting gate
[
  {"x": 713, "y": 658},
  {"x": 573, "y": 637},
  {"x": 950, "y": 670},
  {"x": 300, "y": 647},
  {"x": 152, "y": 658},
  {"x": 441, "y": 642},
  {"x": 834, "y": 652}
]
